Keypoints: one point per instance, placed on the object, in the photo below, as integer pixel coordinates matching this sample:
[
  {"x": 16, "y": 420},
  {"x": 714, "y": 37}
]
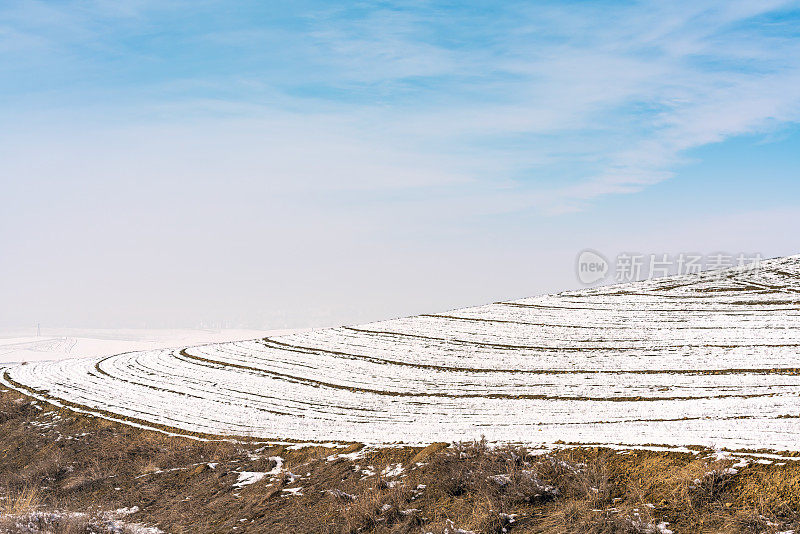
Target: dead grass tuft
[{"x": 23, "y": 502}]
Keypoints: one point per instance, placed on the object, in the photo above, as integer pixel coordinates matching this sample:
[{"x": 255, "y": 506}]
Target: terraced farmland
[{"x": 708, "y": 359}]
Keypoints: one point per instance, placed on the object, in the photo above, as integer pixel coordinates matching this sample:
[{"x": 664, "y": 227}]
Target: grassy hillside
[{"x": 64, "y": 472}]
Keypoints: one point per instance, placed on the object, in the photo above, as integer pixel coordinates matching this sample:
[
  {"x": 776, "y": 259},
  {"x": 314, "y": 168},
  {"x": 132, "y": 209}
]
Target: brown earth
[{"x": 66, "y": 472}]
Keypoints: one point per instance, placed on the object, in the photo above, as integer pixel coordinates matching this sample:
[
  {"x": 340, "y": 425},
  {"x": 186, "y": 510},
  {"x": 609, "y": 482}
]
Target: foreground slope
[{"x": 707, "y": 359}]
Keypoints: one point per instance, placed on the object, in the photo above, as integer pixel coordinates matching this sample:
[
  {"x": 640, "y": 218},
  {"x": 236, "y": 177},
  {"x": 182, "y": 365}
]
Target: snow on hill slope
[
  {"x": 708, "y": 359},
  {"x": 61, "y": 343}
]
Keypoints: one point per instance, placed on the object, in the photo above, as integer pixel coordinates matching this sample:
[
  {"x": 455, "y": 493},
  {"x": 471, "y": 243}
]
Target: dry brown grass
[
  {"x": 53, "y": 462},
  {"x": 22, "y": 502},
  {"x": 479, "y": 489}
]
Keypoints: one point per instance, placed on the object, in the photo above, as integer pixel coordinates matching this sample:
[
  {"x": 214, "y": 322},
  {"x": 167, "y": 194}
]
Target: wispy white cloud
[{"x": 587, "y": 99}]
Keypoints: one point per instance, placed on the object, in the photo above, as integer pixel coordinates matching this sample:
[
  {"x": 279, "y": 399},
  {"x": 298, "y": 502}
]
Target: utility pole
[{"x": 38, "y": 330}]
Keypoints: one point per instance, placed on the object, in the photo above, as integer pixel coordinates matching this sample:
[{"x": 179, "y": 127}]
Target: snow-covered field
[
  {"x": 709, "y": 359},
  {"x": 24, "y": 345}
]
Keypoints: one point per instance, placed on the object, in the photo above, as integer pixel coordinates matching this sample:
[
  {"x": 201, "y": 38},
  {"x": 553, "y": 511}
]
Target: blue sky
[{"x": 275, "y": 164}]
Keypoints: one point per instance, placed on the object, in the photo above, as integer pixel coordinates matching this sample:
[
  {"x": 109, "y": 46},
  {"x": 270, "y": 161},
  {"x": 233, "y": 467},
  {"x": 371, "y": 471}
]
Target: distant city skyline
[{"x": 292, "y": 164}]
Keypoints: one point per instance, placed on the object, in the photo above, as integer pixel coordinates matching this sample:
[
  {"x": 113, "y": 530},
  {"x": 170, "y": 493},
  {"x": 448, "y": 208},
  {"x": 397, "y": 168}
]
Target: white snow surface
[
  {"x": 248, "y": 477},
  {"x": 708, "y": 359},
  {"x": 24, "y": 345}
]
